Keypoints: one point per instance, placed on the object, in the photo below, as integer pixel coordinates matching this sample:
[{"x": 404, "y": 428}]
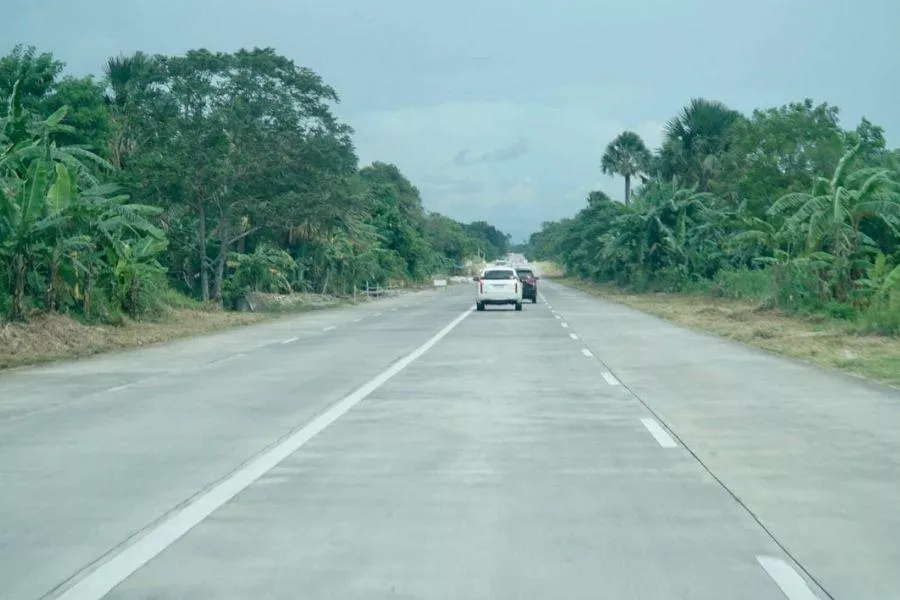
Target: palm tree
[
  {"x": 126, "y": 76},
  {"x": 697, "y": 137},
  {"x": 626, "y": 156}
]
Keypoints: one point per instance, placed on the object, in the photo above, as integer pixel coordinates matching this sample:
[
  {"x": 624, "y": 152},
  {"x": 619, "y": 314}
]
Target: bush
[
  {"x": 839, "y": 310},
  {"x": 743, "y": 284},
  {"x": 882, "y": 318}
]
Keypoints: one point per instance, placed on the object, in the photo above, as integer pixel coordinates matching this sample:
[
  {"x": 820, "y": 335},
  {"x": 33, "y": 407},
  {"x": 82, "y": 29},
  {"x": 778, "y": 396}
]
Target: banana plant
[
  {"x": 135, "y": 269},
  {"x": 23, "y": 226}
]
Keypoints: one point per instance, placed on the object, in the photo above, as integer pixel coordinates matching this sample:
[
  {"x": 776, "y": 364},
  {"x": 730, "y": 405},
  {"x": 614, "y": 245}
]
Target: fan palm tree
[
  {"x": 626, "y": 156},
  {"x": 697, "y": 137}
]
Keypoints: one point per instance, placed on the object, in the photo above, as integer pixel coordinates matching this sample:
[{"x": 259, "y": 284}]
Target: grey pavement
[{"x": 512, "y": 459}]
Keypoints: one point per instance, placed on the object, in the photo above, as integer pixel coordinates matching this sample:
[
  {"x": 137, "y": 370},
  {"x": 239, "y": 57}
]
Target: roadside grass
[
  {"x": 50, "y": 337},
  {"x": 47, "y": 338},
  {"x": 828, "y": 342},
  {"x": 547, "y": 269}
]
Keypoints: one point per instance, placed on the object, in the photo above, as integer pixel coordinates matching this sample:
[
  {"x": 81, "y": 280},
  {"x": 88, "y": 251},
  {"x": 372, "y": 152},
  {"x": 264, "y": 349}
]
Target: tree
[
  {"x": 222, "y": 167},
  {"x": 626, "y": 156},
  {"x": 781, "y": 150},
  {"x": 694, "y": 140},
  {"x": 34, "y": 73}
]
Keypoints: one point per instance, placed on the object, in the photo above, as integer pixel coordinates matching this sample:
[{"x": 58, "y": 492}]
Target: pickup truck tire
[
  {"x": 479, "y": 305},
  {"x": 518, "y": 306},
  {"x": 534, "y": 300}
]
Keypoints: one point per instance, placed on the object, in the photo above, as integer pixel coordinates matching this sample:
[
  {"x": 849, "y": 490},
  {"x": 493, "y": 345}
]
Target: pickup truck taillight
[
  {"x": 517, "y": 287},
  {"x": 481, "y": 286}
]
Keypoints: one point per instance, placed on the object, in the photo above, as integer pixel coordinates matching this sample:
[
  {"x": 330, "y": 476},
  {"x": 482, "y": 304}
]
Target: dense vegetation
[
  {"x": 204, "y": 175},
  {"x": 782, "y": 206}
]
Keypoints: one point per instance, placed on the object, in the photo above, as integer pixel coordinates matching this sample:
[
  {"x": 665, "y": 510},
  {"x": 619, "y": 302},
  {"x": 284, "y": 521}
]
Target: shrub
[{"x": 743, "y": 284}]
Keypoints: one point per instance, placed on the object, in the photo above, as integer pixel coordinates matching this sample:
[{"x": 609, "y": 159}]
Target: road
[{"x": 411, "y": 448}]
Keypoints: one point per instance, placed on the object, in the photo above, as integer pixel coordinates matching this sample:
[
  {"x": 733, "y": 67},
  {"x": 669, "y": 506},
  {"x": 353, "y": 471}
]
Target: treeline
[
  {"x": 783, "y": 205},
  {"x": 208, "y": 175}
]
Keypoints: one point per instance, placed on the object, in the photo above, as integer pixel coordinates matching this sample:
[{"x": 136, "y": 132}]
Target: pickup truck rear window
[
  {"x": 525, "y": 273},
  {"x": 499, "y": 275}
]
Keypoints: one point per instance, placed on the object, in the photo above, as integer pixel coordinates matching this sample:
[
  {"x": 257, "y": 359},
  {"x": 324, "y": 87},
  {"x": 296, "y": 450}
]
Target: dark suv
[{"x": 529, "y": 284}]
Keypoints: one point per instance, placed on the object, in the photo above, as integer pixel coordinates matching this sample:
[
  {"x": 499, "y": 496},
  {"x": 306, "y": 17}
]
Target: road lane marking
[
  {"x": 393, "y": 309},
  {"x": 224, "y": 360},
  {"x": 290, "y": 340},
  {"x": 330, "y": 328},
  {"x": 785, "y": 577},
  {"x": 565, "y": 325},
  {"x": 659, "y": 434},
  {"x": 610, "y": 379},
  {"x": 587, "y": 352},
  {"x": 357, "y": 320},
  {"x": 120, "y": 387},
  {"x": 573, "y": 336},
  {"x": 557, "y": 317},
  {"x": 107, "y": 575},
  {"x": 377, "y": 314}
]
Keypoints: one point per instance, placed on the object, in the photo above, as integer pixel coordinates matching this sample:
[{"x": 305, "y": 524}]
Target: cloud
[{"x": 508, "y": 153}]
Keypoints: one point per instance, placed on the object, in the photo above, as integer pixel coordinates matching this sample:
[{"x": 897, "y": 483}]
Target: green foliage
[
  {"x": 210, "y": 173},
  {"x": 784, "y": 208},
  {"x": 626, "y": 156}
]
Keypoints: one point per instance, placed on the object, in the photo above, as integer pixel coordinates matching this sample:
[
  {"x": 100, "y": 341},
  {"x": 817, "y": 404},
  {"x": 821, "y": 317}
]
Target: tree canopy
[
  {"x": 783, "y": 205},
  {"x": 209, "y": 173}
]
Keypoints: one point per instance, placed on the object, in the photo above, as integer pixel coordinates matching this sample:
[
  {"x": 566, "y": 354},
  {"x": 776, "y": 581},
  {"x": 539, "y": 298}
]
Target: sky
[{"x": 499, "y": 110}]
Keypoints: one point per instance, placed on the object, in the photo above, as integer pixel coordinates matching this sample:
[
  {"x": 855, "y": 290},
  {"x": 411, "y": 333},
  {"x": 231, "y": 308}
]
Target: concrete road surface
[{"x": 410, "y": 448}]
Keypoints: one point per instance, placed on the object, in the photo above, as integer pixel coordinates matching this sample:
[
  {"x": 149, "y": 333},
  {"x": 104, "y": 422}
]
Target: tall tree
[
  {"x": 696, "y": 138},
  {"x": 626, "y": 156}
]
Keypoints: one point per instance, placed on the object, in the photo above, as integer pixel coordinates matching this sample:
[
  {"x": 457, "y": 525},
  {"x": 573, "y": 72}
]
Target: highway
[{"x": 411, "y": 448}]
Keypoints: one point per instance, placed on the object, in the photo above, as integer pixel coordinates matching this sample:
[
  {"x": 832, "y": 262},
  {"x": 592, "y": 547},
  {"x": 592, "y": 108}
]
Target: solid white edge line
[
  {"x": 112, "y": 572},
  {"x": 120, "y": 387},
  {"x": 587, "y": 352},
  {"x": 610, "y": 378},
  {"x": 573, "y": 336},
  {"x": 659, "y": 434},
  {"x": 290, "y": 340},
  {"x": 330, "y": 328},
  {"x": 787, "y": 578}
]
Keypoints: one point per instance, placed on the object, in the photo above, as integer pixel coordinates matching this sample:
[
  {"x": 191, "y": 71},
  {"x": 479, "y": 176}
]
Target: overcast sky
[{"x": 500, "y": 109}]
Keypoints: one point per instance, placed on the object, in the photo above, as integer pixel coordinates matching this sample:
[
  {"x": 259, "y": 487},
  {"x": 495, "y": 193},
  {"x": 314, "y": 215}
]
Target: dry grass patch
[
  {"x": 53, "y": 337},
  {"x": 827, "y": 342},
  {"x": 547, "y": 269}
]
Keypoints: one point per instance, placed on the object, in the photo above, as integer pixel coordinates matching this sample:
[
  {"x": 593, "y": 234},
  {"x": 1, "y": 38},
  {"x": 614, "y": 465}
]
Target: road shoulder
[{"x": 827, "y": 343}]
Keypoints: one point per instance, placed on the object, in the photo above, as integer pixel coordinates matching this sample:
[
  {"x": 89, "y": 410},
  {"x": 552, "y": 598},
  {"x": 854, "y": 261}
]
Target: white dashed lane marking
[
  {"x": 610, "y": 379},
  {"x": 659, "y": 434},
  {"x": 587, "y": 352},
  {"x": 785, "y": 577}
]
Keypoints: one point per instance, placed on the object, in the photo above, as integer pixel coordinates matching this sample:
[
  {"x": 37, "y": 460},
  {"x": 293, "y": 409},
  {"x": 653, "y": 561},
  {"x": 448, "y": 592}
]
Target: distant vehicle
[
  {"x": 529, "y": 283},
  {"x": 498, "y": 285}
]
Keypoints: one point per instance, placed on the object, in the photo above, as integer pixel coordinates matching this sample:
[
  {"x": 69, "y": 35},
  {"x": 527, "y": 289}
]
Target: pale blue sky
[{"x": 500, "y": 110}]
